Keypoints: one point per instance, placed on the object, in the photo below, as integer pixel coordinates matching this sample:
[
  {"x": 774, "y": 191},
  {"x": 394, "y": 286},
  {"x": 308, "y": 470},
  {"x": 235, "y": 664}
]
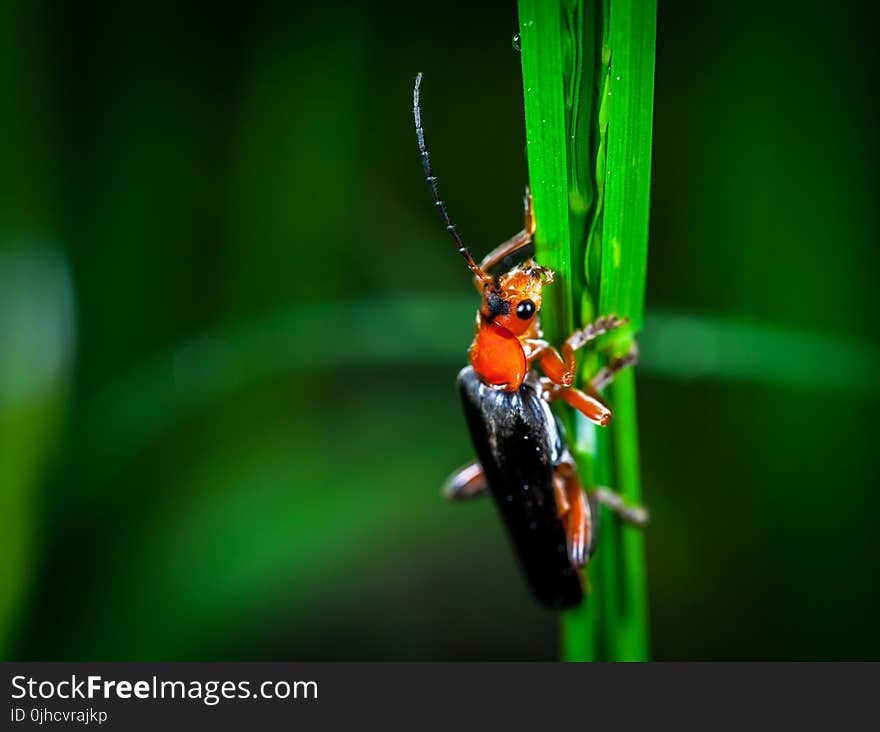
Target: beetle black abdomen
[{"x": 519, "y": 444}]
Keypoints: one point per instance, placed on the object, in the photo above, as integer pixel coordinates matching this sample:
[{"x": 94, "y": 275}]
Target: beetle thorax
[{"x": 509, "y": 314}]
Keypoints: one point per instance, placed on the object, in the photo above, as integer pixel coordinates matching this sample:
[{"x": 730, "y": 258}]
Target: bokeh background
[{"x": 230, "y": 324}]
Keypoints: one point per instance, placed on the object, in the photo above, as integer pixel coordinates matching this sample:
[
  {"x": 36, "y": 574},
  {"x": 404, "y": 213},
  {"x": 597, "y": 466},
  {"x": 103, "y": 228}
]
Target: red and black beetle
[{"x": 522, "y": 458}]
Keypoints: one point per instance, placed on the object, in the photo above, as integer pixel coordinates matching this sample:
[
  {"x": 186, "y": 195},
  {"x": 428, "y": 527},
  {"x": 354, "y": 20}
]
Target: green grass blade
[
  {"x": 629, "y": 95},
  {"x": 591, "y": 183},
  {"x": 547, "y": 146},
  {"x": 630, "y": 98}
]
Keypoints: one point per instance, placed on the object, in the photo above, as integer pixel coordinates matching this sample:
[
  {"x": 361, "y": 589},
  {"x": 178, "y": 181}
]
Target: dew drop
[{"x": 517, "y": 43}]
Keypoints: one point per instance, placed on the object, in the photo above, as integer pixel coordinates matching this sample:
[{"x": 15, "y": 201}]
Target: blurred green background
[{"x": 230, "y": 324}]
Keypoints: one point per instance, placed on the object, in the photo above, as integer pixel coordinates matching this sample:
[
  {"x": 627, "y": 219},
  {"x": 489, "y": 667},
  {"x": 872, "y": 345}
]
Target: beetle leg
[
  {"x": 556, "y": 368},
  {"x": 529, "y": 208},
  {"x": 534, "y": 348},
  {"x": 466, "y": 482},
  {"x": 562, "y": 504},
  {"x": 550, "y": 360},
  {"x": 578, "y": 519},
  {"x": 606, "y": 375},
  {"x": 588, "y": 334},
  {"x": 587, "y": 404},
  {"x": 515, "y": 243},
  {"x": 635, "y": 515},
  {"x": 511, "y": 246}
]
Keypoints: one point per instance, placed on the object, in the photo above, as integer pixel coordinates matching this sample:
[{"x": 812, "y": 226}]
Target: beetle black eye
[{"x": 525, "y": 310}]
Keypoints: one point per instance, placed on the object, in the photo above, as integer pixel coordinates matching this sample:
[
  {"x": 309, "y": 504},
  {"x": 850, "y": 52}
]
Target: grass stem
[{"x": 588, "y": 71}]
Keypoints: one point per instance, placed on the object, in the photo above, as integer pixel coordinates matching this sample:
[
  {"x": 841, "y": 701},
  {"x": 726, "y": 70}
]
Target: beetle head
[{"x": 514, "y": 299}]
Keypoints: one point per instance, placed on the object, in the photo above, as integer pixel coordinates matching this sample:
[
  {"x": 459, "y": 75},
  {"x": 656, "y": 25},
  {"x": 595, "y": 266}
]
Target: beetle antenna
[{"x": 432, "y": 181}]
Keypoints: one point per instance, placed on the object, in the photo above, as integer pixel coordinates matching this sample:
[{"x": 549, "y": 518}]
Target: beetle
[{"x": 522, "y": 457}]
